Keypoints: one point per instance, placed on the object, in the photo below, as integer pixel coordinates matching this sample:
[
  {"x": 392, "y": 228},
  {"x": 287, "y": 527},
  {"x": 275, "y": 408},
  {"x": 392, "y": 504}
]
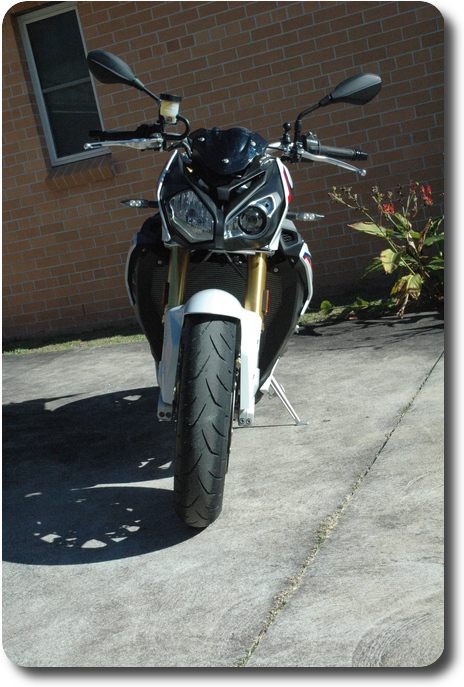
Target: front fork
[
  {"x": 255, "y": 292},
  {"x": 177, "y": 276},
  {"x": 255, "y": 282},
  {"x": 216, "y": 302}
]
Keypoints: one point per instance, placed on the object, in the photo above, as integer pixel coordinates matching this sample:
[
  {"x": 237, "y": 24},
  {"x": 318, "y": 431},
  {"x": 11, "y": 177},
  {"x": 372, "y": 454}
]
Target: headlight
[
  {"x": 191, "y": 217},
  {"x": 253, "y": 220}
]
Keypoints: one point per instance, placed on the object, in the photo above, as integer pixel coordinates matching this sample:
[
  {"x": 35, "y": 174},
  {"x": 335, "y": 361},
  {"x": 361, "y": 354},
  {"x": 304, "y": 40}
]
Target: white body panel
[
  {"x": 216, "y": 303},
  {"x": 305, "y": 257}
]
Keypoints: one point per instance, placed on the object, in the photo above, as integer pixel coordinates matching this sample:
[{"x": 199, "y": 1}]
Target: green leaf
[
  {"x": 408, "y": 284},
  {"x": 398, "y": 285},
  {"x": 410, "y": 260},
  {"x": 390, "y": 260},
  {"x": 430, "y": 240},
  {"x": 436, "y": 225},
  {"x": 369, "y": 228},
  {"x": 326, "y": 307},
  {"x": 398, "y": 234},
  {"x": 403, "y": 221},
  {"x": 375, "y": 265},
  {"x": 415, "y": 282},
  {"x": 437, "y": 264}
]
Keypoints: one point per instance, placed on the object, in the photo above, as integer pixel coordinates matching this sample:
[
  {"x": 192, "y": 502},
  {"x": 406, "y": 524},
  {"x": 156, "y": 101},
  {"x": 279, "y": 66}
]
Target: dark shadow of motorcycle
[
  {"x": 87, "y": 480},
  {"x": 378, "y": 331}
]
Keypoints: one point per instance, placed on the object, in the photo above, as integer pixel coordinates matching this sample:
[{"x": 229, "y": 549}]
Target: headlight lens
[
  {"x": 191, "y": 217},
  {"x": 253, "y": 220}
]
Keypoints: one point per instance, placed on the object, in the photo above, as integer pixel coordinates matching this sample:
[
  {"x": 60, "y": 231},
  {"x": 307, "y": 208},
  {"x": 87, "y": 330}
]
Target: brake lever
[
  {"x": 331, "y": 161},
  {"x": 295, "y": 152},
  {"x": 155, "y": 143}
]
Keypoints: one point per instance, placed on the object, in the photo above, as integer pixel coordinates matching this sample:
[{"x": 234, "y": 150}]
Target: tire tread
[{"x": 204, "y": 418}]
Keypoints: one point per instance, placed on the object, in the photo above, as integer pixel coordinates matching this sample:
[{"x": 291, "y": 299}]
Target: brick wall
[{"x": 253, "y": 64}]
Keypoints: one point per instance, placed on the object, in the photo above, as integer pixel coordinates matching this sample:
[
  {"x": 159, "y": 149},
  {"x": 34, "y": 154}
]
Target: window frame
[{"x": 33, "y": 16}]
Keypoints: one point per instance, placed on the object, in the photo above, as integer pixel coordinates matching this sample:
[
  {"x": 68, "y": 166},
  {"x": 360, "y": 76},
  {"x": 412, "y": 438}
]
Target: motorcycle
[{"x": 220, "y": 277}]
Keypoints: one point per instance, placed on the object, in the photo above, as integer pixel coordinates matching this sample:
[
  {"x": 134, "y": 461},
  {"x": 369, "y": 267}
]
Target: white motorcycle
[{"x": 220, "y": 277}]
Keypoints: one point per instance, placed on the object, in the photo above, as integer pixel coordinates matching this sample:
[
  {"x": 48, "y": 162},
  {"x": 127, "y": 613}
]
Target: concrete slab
[
  {"x": 97, "y": 570},
  {"x": 373, "y": 594}
]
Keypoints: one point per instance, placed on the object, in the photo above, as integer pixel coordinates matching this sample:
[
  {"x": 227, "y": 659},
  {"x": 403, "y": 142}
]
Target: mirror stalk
[
  {"x": 299, "y": 124},
  {"x": 143, "y": 88}
]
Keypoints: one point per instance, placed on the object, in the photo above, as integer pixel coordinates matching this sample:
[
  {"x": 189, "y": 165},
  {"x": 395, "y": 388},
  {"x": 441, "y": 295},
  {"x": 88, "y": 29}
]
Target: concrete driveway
[{"x": 329, "y": 550}]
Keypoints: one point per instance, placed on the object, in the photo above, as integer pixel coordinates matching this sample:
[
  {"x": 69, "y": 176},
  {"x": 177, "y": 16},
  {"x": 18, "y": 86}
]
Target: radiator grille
[{"x": 215, "y": 275}]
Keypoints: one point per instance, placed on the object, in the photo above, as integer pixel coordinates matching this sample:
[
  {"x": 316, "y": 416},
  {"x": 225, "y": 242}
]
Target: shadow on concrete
[
  {"x": 86, "y": 480},
  {"x": 376, "y": 332}
]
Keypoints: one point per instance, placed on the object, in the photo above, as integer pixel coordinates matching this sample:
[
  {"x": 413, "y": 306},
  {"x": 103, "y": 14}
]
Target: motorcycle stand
[{"x": 279, "y": 391}]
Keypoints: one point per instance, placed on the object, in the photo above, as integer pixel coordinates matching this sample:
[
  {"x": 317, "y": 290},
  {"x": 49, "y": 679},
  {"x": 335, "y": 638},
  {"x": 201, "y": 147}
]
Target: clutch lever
[{"x": 154, "y": 143}]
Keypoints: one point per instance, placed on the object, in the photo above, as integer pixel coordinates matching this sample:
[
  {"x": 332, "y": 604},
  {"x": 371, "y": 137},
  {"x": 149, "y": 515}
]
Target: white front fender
[
  {"x": 214, "y": 302},
  {"x": 218, "y": 303}
]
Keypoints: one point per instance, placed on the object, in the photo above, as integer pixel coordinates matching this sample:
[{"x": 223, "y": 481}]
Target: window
[{"x": 65, "y": 94}]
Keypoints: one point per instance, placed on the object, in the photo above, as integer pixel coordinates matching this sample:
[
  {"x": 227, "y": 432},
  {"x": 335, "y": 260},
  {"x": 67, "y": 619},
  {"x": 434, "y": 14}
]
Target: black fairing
[
  {"x": 224, "y": 196},
  {"x": 149, "y": 265},
  {"x": 285, "y": 281}
]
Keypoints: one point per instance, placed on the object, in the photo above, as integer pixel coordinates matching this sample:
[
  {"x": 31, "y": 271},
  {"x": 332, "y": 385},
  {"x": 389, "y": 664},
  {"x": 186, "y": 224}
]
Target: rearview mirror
[
  {"x": 108, "y": 68},
  {"x": 357, "y": 90}
]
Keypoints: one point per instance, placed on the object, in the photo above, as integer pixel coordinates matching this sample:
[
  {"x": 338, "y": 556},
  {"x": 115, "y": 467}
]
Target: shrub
[{"x": 416, "y": 253}]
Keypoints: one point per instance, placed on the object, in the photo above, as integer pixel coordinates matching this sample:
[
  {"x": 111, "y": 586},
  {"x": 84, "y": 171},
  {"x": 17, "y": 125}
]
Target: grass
[{"x": 103, "y": 337}]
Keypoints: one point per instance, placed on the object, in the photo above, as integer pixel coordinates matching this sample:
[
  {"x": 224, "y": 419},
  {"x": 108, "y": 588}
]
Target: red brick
[{"x": 278, "y": 57}]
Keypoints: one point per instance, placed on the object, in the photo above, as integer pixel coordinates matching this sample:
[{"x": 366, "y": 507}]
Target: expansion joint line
[{"x": 324, "y": 532}]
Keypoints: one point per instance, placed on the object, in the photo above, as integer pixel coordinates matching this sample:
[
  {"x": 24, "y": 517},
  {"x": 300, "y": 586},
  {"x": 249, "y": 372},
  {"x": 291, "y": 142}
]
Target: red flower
[
  {"x": 426, "y": 195},
  {"x": 388, "y": 208}
]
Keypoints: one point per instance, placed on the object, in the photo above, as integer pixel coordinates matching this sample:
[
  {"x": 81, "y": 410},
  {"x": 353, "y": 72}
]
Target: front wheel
[{"x": 205, "y": 412}]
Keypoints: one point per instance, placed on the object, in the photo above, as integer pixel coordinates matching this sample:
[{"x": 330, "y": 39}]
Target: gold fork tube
[
  {"x": 177, "y": 276},
  {"x": 256, "y": 283}
]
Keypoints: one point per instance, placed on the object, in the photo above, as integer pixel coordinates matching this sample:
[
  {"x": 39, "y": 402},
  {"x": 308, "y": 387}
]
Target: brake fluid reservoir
[{"x": 169, "y": 107}]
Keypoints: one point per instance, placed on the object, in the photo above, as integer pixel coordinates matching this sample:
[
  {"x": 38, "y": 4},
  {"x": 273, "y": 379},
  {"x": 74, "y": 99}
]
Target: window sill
[{"x": 80, "y": 172}]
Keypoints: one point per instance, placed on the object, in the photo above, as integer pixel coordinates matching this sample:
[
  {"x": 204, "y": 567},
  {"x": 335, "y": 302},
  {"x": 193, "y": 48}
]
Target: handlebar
[
  {"x": 112, "y": 135},
  {"x": 145, "y": 137},
  {"x": 142, "y": 131},
  {"x": 295, "y": 153},
  {"x": 153, "y": 137},
  {"x": 313, "y": 146}
]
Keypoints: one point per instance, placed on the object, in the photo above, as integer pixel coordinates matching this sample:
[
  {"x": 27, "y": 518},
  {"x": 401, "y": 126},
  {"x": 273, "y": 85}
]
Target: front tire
[{"x": 205, "y": 413}]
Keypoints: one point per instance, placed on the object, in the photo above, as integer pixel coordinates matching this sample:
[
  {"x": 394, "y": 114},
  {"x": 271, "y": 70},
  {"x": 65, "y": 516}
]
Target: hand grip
[{"x": 314, "y": 147}]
